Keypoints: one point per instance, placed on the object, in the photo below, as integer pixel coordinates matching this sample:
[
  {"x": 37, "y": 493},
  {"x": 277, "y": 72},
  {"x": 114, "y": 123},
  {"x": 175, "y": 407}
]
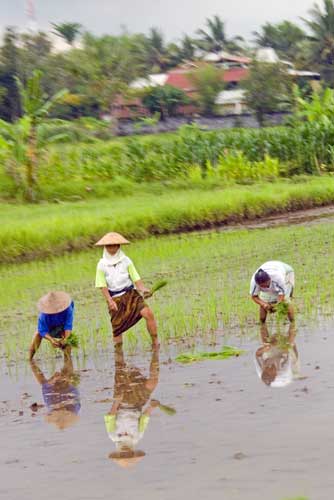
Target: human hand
[
  {"x": 56, "y": 342},
  {"x": 112, "y": 306},
  {"x": 146, "y": 293}
]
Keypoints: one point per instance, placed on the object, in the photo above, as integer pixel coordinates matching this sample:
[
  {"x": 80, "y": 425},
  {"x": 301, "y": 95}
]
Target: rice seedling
[
  {"x": 73, "y": 340},
  {"x": 225, "y": 353},
  {"x": 158, "y": 285}
]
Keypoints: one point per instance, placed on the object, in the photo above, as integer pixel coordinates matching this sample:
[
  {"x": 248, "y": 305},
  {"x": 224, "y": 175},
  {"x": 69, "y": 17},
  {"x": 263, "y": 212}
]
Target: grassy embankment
[
  {"x": 29, "y": 232},
  {"x": 208, "y": 280}
]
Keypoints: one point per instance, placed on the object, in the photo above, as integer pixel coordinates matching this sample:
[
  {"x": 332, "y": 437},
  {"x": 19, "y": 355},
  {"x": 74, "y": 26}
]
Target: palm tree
[
  {"x": 187, "y": 48},
  {"x": 321, "y": 26},
  {"x": 68, "y": 31},
  {"x": 157, "y": 51},
  {"x": 215, "y": 39}
]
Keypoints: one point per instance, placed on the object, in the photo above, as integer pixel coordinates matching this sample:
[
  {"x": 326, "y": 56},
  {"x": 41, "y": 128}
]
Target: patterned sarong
[{"x": 128, "y": 314}]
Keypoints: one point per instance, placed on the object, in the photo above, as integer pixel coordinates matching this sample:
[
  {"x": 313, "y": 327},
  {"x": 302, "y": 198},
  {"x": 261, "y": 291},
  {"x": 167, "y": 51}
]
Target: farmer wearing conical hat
[
  {"x": 55, "y": 321},
  {"x": 271, "y": 284},
  {"x": 123, "y": 289}
]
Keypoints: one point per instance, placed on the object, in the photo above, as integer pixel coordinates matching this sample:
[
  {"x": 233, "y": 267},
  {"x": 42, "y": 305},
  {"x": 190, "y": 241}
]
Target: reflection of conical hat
[
  {"x": 62, "y": 418},
  {"x": 112, "y": 239},
  {"x": 54, "y": 302},
  {"x": 127, "y": 459}
]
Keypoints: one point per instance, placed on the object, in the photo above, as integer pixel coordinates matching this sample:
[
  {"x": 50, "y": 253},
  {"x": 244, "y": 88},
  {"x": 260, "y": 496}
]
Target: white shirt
[
  {"x": 116, "y": 275},
  {"x": 280, "y": 278}
]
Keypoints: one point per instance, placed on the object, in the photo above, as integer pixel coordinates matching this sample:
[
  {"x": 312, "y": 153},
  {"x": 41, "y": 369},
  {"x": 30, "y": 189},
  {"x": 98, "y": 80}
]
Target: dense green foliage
[
  {"x": 268, "y": 89},
  {"x": 97, "y": 69},
  {"x": 188, "y": 159}
]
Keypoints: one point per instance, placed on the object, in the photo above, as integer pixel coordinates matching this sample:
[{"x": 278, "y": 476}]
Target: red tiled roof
[
  {"x": 235, "y": 74},
  {"x": 180, "y": 79}
]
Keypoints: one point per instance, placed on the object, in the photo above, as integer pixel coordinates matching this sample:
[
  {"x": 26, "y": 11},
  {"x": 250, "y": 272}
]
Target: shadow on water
[
  {"x": 60, "y": 394},
  {"x": 129, "y": 416},
  {"x": 277, "y": 360}
]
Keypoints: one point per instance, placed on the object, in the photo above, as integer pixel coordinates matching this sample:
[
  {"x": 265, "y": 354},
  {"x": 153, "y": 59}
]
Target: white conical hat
[{"x": 112, "y": 239}]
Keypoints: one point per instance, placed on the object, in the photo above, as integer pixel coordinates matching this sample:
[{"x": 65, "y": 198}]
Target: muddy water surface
[{"x": 231, "y": 436}]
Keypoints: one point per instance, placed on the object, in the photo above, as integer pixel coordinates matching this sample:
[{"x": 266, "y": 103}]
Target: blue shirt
[{"x": 46, "y": 322}]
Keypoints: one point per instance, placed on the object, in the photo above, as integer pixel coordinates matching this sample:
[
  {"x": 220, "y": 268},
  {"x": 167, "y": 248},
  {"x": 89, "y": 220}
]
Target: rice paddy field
[
  {"x": 208, "y": 277},
  {"x": 215, "y": 430}
]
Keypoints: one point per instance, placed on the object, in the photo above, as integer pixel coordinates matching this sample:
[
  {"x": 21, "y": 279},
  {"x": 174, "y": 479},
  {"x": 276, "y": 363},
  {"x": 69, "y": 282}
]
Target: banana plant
[{"x": 24, "y": 140}]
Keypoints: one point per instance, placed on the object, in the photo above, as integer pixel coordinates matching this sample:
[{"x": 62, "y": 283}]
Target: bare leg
[
  {"x": 34, "y": 346},
  {"x": 264, "y": 333},
  {"x": 151, "y": 324},
  {"x": 67, "y": 357},
  {"x": 291, "y": 313},
  {"x": 118, "y": 339},
  {"x": 263, "y": 315}
]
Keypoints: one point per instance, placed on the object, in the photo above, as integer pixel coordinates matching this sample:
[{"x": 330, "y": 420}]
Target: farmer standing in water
[
  {"x": 123, "y": 289},
  {"x": 272, "y": 283}
]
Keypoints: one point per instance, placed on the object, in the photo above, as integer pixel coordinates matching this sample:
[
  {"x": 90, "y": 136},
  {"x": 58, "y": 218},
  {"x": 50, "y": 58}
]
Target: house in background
[{"x": 230, "y": 101}]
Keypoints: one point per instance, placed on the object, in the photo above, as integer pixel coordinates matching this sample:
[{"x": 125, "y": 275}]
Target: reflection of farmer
[
  {"x": 122, "y": 288},
  {"x": 130, "y": 413},
  {"x": 276, "y": 360},
  {"x": 55, "y": 321},
  {"x": 60, "y": 393},
  {"x": 272, "y": 283}
]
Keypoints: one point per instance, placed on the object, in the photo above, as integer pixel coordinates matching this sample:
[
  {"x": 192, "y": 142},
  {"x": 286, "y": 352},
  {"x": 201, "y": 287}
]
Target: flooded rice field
[
  {"x": 210, "y": 430},
  {"x": 138, "y": 424}
]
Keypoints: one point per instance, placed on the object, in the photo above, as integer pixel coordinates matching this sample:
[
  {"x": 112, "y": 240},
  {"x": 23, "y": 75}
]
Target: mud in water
[
  {"x": 209, "y": 430},
  {"x": 305, "y": 217}
]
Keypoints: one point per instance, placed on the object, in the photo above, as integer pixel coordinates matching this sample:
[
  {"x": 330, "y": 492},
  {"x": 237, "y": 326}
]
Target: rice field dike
[{"x": 42, "y": 230}]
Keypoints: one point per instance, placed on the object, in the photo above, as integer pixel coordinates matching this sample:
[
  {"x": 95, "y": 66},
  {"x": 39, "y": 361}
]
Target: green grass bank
[{"x": 36, "y": 231}]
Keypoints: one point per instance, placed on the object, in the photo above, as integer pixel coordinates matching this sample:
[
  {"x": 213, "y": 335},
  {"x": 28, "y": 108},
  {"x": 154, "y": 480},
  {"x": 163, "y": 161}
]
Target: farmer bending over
[
  {"x": 54, "y": 322},
  {"x": 272, "y": 283},
  {"x": 123, "y": 289}
]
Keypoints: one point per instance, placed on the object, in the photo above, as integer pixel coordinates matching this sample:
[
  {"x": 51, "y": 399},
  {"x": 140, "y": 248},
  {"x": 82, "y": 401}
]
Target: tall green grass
[
  {"x": 79, "y": 170},
  {"x": 29, "y": 232}
]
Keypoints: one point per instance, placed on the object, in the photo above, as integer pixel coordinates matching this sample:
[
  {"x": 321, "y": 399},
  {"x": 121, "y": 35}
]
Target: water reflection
[
  {"x": 277, "y": 360},
  {"x": 129, "y": 416},
  {"x": 60, "y": 394}
]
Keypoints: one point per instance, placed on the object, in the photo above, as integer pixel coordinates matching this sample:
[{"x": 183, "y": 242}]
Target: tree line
[{"x": 100, "y": 68}]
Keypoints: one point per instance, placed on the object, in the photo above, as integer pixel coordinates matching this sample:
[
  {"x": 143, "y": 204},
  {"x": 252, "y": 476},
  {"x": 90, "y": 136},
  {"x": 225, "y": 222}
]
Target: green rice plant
[
  {"x": 227, "y": 352},
  {"x": 168, "y": 410},
  {"x": 297, "y": 498},
  {"x": 73, "y": 340},
  {"x": 158, "y": 285},
  {"x": 281, "y": 309}
]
